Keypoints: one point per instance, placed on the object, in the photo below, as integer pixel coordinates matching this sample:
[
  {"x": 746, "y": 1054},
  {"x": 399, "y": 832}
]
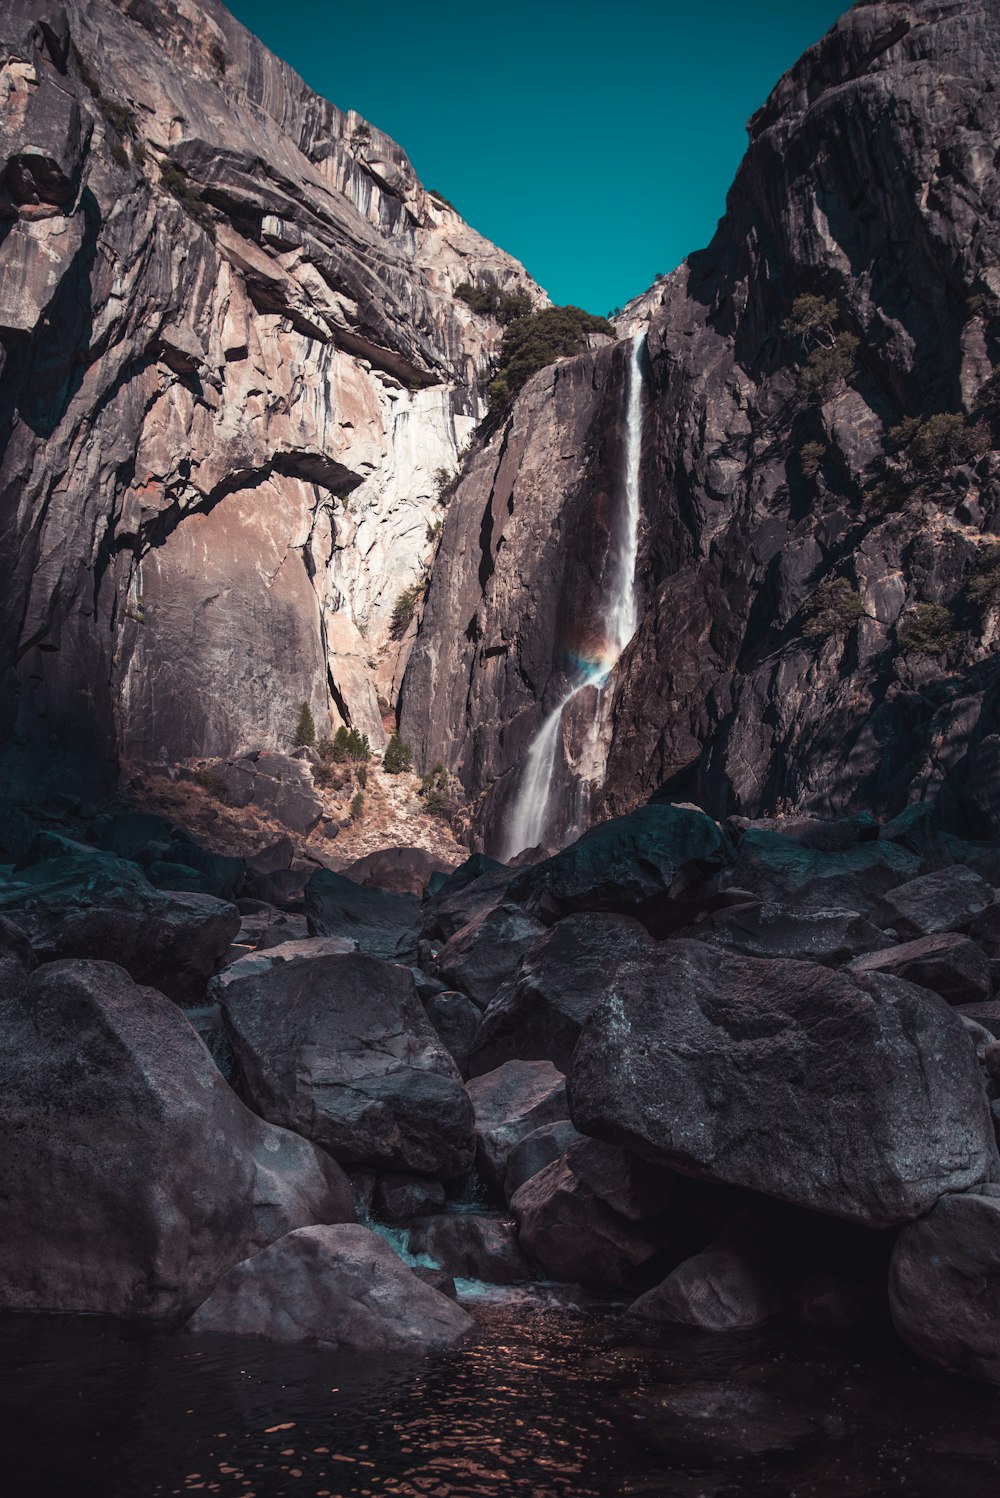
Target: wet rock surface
[{"x": 339, "y": 1286}]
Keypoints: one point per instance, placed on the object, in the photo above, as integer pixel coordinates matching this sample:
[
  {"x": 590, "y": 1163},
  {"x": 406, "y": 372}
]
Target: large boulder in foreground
[
  {"x": 649, "y": 863},
  {"x": 538, "y": 1013},
  {"x": 337, "y": 1286},
  {"x": 944, "y": 1285},
  {"x": 510, "y": 1103},
  {"x": 131, "y": 1176},
  {"x": 573, "y": 1234},
  {"x": 339, "y": 1048},
  {"x": 74, "y": 901},
  {"x": 382, "y": 924},
  {"x": 855, "y": 1095}
]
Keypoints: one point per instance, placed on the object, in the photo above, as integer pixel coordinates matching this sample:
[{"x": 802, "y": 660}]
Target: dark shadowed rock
[
  {"x": 510, "y": 1103},
  {"x": 399, "y": 1197},
  {"x": 541, "y": 1147},
  {"x": 857, "y": 1096},
  {"x": 456, "y": 1020},
  {"x": 338, "y": 1286},
  {"x": 538, "y": 1013},
  {"x": 478, "y": 958},
  {"x": 74, "y": 901},
  {"x": 951, "y": 965},
  {"x": 944, "y": 1285},
  {"x": 985, "y": 932},
  {"x": 381, "y": 924},
  {"x": 478, "y": 885},
  {"x": 263, "y": 959},
  {"x": 783, "y": 872},
  {"x": 987, "y": 1015},
  {"x": 630, "y": 1186},
  {"x": 573, "y": 1234},
  {"x": 645, "y": 863},
  {"x": 711, "y": 1422},
  {"x": 766, "y": 929},
  {"x": 472, "y": 1246},
  {"x": 340, "y": 1049},
  {"x": 132, "y": 1176},
  {"x": 721, "y": 1289},
  {"x": 401, "y": 871},
  {"x": 948, "y": 900}
]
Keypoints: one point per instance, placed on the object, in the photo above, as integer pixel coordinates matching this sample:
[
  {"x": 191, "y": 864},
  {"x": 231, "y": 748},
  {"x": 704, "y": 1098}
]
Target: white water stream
[{"x": 528, "y": 817}]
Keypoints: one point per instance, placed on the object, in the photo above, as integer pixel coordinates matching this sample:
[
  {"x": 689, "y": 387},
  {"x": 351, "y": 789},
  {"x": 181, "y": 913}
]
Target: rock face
[
  {"x": 757, "y": 474},
  {"x": 510, "y": 1103},
  {"x": 132, "y": 1177},
  {"x": 232, "y": 368},
  {"x": 944, "y": 1285},
  {"x": 855, "y": 1095},
  {"x": 339, "y": 1049},
  {"x": 338, "y": 1286}
]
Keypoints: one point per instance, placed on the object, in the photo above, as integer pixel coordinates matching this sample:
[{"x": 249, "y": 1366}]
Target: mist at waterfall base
[
  {"x": 536, "y": 1403},
  {"x": 534, "y": 818}
]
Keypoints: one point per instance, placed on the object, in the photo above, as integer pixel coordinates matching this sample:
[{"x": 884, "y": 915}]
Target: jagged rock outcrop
[
  {"x": 868, "y": 186},
  {"x": 231, "y": 366}
]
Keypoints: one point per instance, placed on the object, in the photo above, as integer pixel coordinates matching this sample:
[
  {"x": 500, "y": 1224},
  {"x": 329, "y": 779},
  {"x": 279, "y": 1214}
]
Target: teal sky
[{"x": 594, "y": 141}]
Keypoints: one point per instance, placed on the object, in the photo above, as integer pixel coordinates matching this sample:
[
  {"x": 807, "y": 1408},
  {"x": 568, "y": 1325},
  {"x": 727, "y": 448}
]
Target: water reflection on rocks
[{"x": 541, "y": 1401}]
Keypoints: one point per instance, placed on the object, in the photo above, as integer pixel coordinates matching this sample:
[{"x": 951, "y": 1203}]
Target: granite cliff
[
  {"x": 852, "y": 284},
  {"x": 232, "y": 374}
]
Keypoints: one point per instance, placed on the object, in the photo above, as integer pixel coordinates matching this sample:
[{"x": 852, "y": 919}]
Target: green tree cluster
[
  {"x": 504, "y": 306},
  {"x": 531, "y": 343},
  {"x": 929, "y": 448},
  {"x": 398, "y": 755},
  {"x": 346, "y": 745}
]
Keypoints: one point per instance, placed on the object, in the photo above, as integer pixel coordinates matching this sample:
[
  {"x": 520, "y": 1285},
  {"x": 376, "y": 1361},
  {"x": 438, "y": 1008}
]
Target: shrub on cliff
[
  {"x": 505, "y": 306},
  {"x": 927, "y": 629},
  {"x": 398, "y": 756},
  {"x": 531, "y": 343},
  {"x": 834, "y": 608},
  {"x": 305, "y": 729},
  {"x": 941, "y": 442},
  {"x": 346, "y": 745},
  {"x": 404, "y": 609},
  {"x": 984, "y": 585},
  {"x": 827, "y": 368}
]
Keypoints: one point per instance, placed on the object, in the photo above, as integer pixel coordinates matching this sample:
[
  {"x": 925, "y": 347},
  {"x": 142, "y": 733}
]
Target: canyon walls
[{"x": 852, "y": 284}]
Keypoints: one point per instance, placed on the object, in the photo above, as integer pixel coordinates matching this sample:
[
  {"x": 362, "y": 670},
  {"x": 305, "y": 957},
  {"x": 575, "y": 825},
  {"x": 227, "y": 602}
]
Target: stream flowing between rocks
[{"x": 541, "y": 1400}]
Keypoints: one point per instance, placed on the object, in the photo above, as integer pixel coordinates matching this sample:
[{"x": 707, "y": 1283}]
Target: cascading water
[{"x": 529, "y": 816}]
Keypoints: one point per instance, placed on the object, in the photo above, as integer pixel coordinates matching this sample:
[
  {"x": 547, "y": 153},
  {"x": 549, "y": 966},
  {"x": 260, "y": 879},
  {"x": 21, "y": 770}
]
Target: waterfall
[{"x": 529, "y": 814}]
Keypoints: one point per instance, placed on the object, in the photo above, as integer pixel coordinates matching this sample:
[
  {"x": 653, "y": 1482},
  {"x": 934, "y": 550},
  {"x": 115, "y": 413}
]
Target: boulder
[
  {"x": 947, "y": 900},
  {"x": 856, "y": 1095},
  {"x": 472, "y": 1246},
  {"x": 573, "y": 1234},
  {"x": 476, "y": 886},
  {"x": 987, "y": 1015},
  {"x": 381, "y": 924},
  {"x": 951, "y": 965},
  {"x": 281, "y": 785},
  {"x": 780, "y": 871},
  {"x": 263, "y": 959},
  {"x": 984, "y": 930},
  {"x": 399, "y": 1197},
  {"x": 510, "y": 1103},
  {"x": 721, "y": 1289},
  {"x": 541, "y": 1147},
  {"x": 132, "y": 1177},
  {"x": 74, "y": 901},
  {"x": 337, "y": 1286},
  {"x": 630, "y": 1186},
  {"x": 400, "y": 871},
  {"x": 649, "y": 863},
  {"x": 456, "y": 1020},
  {"x": 339, "y": 1048},
  {"x": 538, "y": 1013},
  {"x": 769, "y": 929},
  {"x": 944, "y": 1285},
  {"x": 478, "y": 958}
]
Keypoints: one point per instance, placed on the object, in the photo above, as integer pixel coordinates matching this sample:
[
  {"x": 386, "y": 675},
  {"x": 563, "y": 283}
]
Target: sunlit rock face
[
  {"x": 868, "y": 183},
  {"x": 231, "y": 367}
]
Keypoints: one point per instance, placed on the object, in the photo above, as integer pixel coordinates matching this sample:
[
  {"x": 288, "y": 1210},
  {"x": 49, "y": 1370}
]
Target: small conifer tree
[{"x": 305, "y": 728}]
